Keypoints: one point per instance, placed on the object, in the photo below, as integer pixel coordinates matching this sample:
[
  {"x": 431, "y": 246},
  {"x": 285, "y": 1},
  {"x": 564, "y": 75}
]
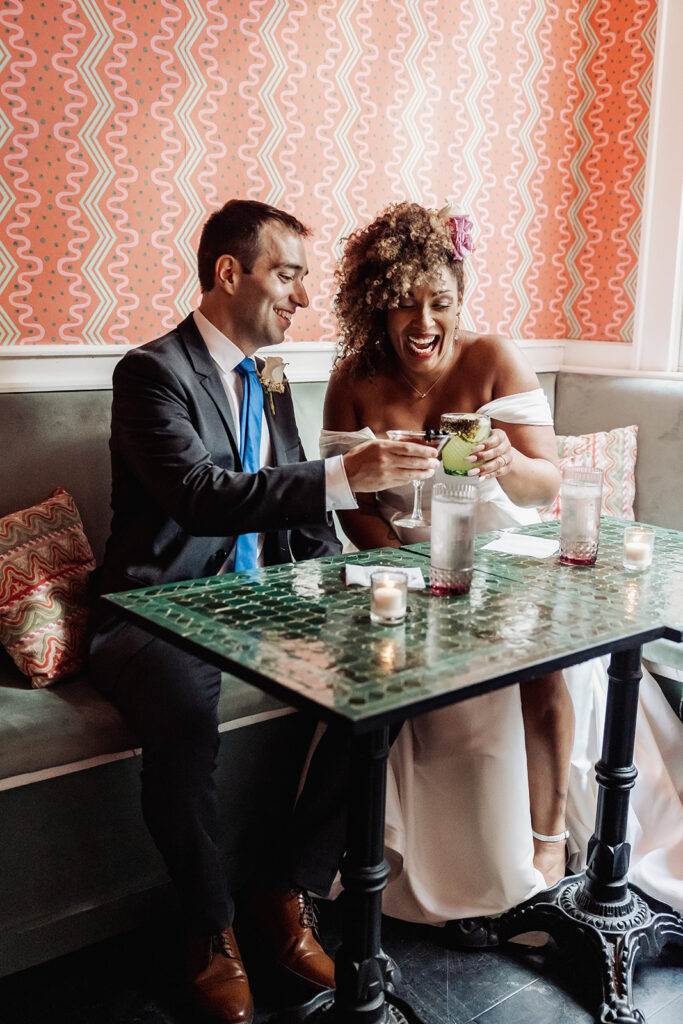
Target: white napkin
[
  {"x": 523, "y": 544},
  {"x": 360, "y": 574}
]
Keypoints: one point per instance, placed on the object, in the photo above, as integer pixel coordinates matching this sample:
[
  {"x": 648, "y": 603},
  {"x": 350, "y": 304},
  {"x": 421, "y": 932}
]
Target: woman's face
[{"x": 422, "y": 329}]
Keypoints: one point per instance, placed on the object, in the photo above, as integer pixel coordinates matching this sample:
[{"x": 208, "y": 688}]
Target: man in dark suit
[{"x": 190, "y": 498}]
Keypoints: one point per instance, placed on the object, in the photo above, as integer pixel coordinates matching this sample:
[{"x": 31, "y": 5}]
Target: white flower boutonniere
[{"x": 272, "y": 378}]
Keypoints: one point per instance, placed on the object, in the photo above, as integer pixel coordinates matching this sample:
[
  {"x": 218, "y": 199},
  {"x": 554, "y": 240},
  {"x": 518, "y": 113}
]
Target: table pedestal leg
[
  {"x": 364, "y": 975},
  {"x": 597, "y": 914}
]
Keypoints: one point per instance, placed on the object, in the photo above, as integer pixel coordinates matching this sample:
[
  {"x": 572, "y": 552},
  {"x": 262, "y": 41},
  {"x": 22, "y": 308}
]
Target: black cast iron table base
[
  {"x": 322, "y": 1010},
  {"x": 370, "y": 987},
  {"x": 595, "y": 913},
  {"x": 606, "y": 938},
  {"x": 365, "y": 976}
]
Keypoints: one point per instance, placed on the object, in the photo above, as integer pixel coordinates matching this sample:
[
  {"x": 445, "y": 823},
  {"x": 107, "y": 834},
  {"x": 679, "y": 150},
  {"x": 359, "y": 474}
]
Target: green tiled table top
[
  {"x": 608, "y": 570},
  {"x": 299, "y": 632},
  {"x": 660, "y": 587}
]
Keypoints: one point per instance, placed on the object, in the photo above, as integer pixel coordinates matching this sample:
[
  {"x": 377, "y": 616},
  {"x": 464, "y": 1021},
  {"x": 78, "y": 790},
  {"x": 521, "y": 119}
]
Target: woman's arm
[
  {"x": 340, "y": 410},
  {"x": 522, "y": 457},
  {"x": 363, "y": 526},
  {"x": 524, "y": 460}
]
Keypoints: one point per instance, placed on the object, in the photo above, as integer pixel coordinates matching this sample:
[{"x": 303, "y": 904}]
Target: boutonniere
[{"x": 272, "y": 378}]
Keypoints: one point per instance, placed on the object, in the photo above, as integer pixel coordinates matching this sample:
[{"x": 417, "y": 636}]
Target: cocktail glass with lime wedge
[{"x": 467, "y": 430}]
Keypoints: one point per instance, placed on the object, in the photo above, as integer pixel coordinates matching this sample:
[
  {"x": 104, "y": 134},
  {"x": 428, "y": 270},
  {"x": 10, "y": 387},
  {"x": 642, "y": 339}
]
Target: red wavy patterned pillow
[
  {"x": 45, "y": 562},
  {"x": 613, "y": 451}
]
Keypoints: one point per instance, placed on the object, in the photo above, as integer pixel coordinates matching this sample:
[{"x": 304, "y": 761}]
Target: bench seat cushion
[
  {"x": 70, "y": 725},
  {"x": 590, "y": 402}
]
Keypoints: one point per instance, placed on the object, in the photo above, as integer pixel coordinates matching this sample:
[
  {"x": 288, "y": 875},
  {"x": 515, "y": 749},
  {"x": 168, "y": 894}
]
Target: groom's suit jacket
[
  {"x": 180, "y": 499},
  {"x": 179, "y": 496}
]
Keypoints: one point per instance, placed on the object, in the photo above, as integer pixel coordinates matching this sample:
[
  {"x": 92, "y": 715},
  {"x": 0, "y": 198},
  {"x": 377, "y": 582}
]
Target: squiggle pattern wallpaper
[{"x": 123, "y": 122}]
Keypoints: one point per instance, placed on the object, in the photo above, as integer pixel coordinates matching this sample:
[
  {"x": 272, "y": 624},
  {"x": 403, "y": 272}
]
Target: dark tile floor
[{"x": 135, "y": 978}]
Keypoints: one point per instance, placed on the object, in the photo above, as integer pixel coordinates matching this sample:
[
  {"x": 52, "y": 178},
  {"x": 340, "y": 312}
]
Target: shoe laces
[
  {"x": 222, "y": 943},
  {"x": 307, "y": 915}
]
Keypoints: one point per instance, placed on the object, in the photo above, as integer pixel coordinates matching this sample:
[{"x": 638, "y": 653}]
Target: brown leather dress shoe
[
  {"x": 217, "y": 979},
  {"x": 288, "y": 925}
]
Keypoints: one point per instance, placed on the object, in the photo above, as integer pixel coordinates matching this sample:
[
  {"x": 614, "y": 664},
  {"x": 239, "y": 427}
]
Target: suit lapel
[
  {"x": 208, "y": 376},
  {"x": 209, "y": 379}
]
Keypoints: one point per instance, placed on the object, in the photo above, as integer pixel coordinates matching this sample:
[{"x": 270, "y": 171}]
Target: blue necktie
[{"x": 250, "y": 451}]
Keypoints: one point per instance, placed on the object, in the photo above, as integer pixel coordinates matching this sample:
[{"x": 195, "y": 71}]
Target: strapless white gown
[{"x": 458, "y": 828}]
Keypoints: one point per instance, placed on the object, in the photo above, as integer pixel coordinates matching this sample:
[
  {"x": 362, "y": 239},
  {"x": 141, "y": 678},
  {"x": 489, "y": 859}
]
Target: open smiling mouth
[
  {"x": 422, "y": 346},
  {"x": 285, "y": 315}
]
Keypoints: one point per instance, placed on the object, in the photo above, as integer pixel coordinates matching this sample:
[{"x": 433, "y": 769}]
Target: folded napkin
[
  {"x": 360, "y": 574},
  {"x": 523, "y": 544}
]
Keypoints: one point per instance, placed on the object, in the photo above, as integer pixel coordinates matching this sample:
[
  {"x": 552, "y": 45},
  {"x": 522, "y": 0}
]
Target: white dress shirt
[{"x": 226, "y": 355}]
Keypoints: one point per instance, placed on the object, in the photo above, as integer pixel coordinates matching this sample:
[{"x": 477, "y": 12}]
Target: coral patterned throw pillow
[
  {"x": 613, "y": 451},
  {"x": 45, "y": 562}
]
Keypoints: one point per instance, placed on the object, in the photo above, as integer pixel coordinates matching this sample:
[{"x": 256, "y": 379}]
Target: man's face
[{"x": 268, "y": 297}]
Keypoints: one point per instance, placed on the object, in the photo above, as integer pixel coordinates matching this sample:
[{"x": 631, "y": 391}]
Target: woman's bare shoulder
[
  {"x": 493, "y": 343},
  {"x": 348, "y": 380},
  {"x": 507, "y": 365},
  {"x": 348, "y": 393}
]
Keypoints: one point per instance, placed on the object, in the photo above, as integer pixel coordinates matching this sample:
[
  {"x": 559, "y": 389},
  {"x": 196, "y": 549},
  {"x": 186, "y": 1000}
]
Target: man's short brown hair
[{"x": 234, "y": 230}]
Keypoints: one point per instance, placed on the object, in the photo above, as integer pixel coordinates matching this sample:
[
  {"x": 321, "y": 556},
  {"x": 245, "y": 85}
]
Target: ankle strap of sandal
[{"x": 551, "y": 839}]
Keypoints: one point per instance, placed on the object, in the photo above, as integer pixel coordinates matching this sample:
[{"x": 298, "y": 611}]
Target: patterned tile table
[
  {"x": 660, "y": 586},
  {"x": 299, "y": 632}
]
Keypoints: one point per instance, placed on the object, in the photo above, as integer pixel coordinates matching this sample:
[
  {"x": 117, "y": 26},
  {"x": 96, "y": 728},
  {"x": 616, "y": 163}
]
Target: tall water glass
[
  {"x": 452, "y": 541},
  {"x": 580, "y": 503}
]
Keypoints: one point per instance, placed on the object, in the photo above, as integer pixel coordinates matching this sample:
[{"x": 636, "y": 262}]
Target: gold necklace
[{"x": 422, "y": 394}]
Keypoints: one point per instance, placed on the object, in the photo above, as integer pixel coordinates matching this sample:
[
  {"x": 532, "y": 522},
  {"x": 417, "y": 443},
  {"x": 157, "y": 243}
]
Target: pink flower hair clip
[{"x": 461, "y": 228}]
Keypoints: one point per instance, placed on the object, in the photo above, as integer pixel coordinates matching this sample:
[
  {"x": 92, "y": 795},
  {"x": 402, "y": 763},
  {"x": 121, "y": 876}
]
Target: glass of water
[
  {"x": 454, "y": 507},
  {"x": 580, "y": 503}
]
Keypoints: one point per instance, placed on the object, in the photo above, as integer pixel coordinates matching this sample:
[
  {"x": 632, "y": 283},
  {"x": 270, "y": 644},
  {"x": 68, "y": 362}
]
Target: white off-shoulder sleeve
[{"x": 530, "y": 407}]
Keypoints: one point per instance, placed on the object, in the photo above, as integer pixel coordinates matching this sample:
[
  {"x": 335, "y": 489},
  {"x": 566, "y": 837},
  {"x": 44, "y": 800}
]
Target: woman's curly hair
[{"x": 403, "y": 247}]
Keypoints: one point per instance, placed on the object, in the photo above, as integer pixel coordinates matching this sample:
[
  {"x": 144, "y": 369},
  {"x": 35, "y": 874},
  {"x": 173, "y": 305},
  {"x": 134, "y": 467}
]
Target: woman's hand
[{"x": 493, "y": 457}]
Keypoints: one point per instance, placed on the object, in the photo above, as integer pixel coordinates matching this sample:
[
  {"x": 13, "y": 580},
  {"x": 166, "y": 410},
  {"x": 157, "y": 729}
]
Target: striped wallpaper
[{"x": 123, "y": 122}]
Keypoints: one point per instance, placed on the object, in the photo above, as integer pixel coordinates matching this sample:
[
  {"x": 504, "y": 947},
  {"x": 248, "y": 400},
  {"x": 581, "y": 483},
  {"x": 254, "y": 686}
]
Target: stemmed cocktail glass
[{"x": 436, "y": 439}]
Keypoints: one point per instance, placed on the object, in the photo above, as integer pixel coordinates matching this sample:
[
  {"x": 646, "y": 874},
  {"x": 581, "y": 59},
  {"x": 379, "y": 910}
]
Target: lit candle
[
  {"x": 638, "y": 551},
  {"x": 389, "y": 601},
  {"x": 389, "y": 596},
  {"x": 638, "y": 545}
]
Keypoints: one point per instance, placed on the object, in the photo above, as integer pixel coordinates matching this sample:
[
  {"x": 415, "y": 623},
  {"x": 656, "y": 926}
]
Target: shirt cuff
[{"x": 338, "y": 494}]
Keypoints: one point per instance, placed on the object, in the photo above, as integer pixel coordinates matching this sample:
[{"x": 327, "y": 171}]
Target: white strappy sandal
[{"x": 551, "y": 839}]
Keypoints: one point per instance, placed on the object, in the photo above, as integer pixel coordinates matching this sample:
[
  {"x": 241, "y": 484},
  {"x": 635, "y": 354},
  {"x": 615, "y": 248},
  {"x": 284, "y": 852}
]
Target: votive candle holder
[
  {"x": 639, "y": 543},
  {"x": 389, "y": 599}
]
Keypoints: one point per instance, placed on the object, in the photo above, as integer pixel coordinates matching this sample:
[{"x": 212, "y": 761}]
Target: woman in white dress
[{"x": 477, "y": 793}]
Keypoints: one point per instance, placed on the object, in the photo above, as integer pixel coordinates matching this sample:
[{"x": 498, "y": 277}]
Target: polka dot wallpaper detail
[{"x": 124, "y": 122}]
